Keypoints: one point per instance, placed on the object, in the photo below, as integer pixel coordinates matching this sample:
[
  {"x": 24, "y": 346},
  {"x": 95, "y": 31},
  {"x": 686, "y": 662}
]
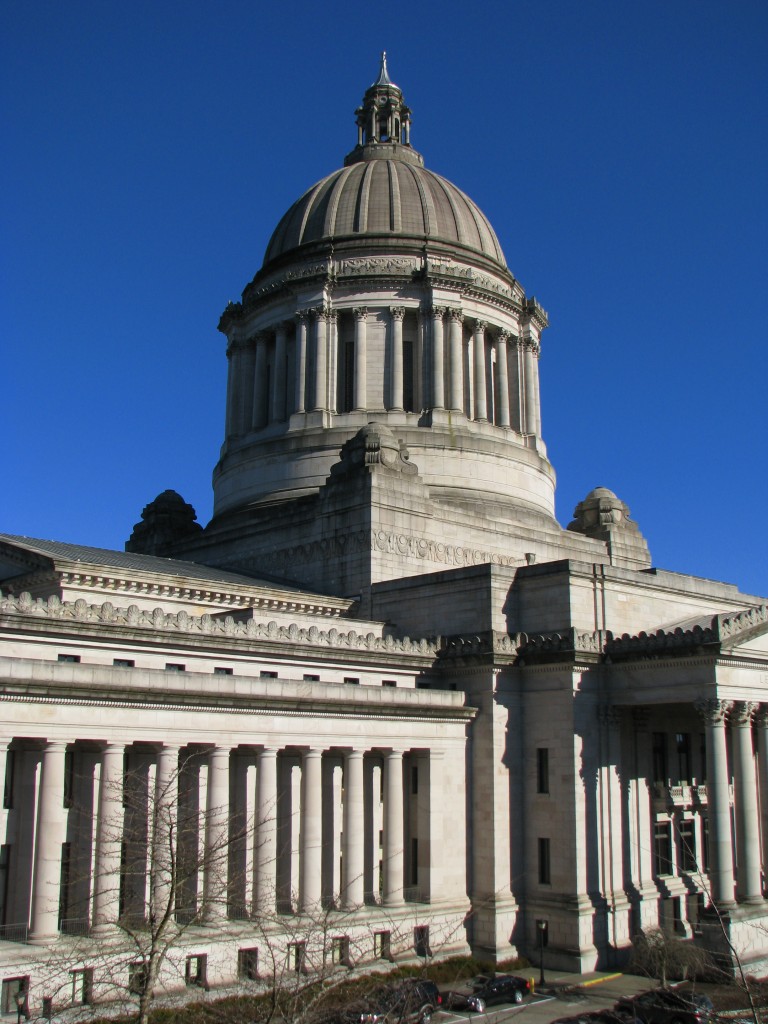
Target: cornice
[{"x": 180, "y": 626}]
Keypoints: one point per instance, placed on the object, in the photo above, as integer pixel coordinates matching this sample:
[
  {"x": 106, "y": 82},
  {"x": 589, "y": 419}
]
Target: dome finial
[{"x": 383, "y": 78}]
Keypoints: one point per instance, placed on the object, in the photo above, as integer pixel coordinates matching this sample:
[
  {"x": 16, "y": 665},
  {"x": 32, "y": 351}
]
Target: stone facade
[{"x": 383, "y": 687}]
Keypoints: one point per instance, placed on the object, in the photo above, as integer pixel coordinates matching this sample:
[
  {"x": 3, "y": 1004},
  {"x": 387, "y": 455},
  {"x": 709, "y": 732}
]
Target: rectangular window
[
  {"x": 69, "y": 778},
  {"x": 347, "y": 390},
  {"x": 705, "y": 841},
  {"x": 220, "y": 670},
  {"x": 123, "y": 663},
  {"x": 175, "y": 666},
  {"x": 542, "y": 770},
  {"x": 688, "y": 845},
  {"x": 267, "y": 675},
  {"x": 421, "y": 940},
  {"x": 308, "y": 677},
  {"x": 414, "y": 861},
  {"x": 545, "y": 876},
  {"x": 5, "y": 871},
  {"x": 248, "y": 964},
  {"x": 137, "y": 978},
  {"x": 382, "y": 945},
  {"x": 11, "y": 988},
  {"x": 703, "y": 757},
  {"x": 10, "y": 771},
  {"x": 196, "y": 971},
  {"x": 66, "y": 867},
  {"x": 72, "y": 659},
  {"x": 414, "y": 779},
  {"x": 660, "y": 768},
  {"x": 340, "y": 950},
  {"x": 683, "y": 746},
  {"x": 352, "y": 680},
  {"x": 662, "y": 848},
  {"x": 82, "y": 986},
  {"x": 389, "y": 682},
  {"x": 409, "y": 399},
  {"x": 297, "y": 957}
]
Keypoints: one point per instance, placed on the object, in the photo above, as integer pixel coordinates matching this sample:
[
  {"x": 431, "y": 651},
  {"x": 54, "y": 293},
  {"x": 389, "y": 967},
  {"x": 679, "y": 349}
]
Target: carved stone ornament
[
  {"x": 712, "y": 710},
  {"x": 742, "y": 711},
  {"x": 397, "y": 312},
  {"x": 373, "y": 445}
]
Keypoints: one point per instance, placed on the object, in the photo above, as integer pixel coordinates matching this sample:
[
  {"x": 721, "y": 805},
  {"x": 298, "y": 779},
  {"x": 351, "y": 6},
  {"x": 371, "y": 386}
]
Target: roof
[{"x": 388, "y": 196}]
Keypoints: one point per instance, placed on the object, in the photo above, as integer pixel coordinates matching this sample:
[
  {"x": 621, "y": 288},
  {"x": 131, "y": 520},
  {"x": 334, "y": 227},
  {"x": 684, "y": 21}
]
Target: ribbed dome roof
[{"x": 385, "y": 196}]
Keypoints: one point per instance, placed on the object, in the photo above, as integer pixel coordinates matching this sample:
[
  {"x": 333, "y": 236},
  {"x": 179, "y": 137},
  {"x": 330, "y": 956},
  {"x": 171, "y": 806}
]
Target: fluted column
[
  {"x": 397, "y": 313},
  {"x": 748, "y": 881},
  {"x": 216, "y": 825},
  {"x": 164, "y": 833},
  {"x": 360, "y": 401},
  {"x": 49, "y": 836},
  {"x": 718, "y": 800},
  {"x": 320, "y": 330},
  {"x": 515, "y": 389},
  {"x": 311, "y": 838},
  {"x": 109, "y": 834},
  {"x": 353, "y": 833},
  {"x": 278, "y": 378},
  {"x": 536, "y": 395},
  {"x": 302, "y": 324},
  {"x": 762, "y": 774},
  {"x": 455, "y": 366},
  {"x": 266, "y": 831},
  {"x": 529, "y": 388},
  {"x": 438, "y": 373},
  {"x": 393, "y": 827},
  {"x": 502, "y": 371},
  {"x": 231, "y": 412},
  {"x": 481, "y": 395},
  {"x": 332, "y": 349},
  {"x": 259, "y": 399}
]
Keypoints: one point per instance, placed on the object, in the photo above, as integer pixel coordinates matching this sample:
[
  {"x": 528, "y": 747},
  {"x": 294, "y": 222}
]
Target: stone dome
[{"x": 385, "y": 194}]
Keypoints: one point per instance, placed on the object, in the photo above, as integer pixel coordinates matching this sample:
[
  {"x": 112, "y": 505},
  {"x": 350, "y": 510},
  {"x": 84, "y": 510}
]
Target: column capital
[
  {"x": 609, "y": 715},
  {"x": 302, "y": 315},
  {"x": 456, "y": 315},
  {"x": 361, "y": 312},
  {"x": 761, "y": 716},
  {"x": 503, "y": 336},
  {"x": 712, "y": 710},
  {"x": 397, "y": 312},
  {"x": 319, "y": 312},
  {"x": 480, "y": 326},
  {"x": 219, "y": 753},
  {"x": 436, "y": 312},
  {"x": 640, "y": 717},
  {"x": 742, "y": 711}
]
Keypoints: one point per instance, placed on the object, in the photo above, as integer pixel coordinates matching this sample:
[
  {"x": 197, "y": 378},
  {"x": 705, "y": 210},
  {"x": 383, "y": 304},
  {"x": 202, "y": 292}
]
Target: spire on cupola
[{"x": 383, "y": 122}]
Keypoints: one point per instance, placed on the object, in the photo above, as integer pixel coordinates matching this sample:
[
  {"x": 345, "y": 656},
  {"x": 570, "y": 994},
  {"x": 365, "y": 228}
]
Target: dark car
[
  {"x": 411, "y": 1002},
  {"x": 597, "y": 1017},
  {"x": 498, "y": 988},
  {"x": 665, "y": 1006}
]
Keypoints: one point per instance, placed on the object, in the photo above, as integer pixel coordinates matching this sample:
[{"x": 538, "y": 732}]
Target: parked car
[
  {"x": 498, "y": 988},
  {"x": 412, "y": 1001},
  {"x": 614, "y": 1016},
  {"x": 666, "y": 1006},
  {"x": 462, "y": 999}
]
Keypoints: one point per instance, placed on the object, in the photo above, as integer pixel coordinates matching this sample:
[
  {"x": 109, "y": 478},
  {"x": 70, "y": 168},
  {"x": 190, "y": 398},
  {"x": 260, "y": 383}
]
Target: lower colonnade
[{"x": 210, "y": 833}]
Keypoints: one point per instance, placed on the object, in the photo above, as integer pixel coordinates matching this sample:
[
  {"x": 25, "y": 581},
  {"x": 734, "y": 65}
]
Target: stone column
[
  {"x": 353, "y": 833},
  {"x": 748, "y": 881},
  {"x": 529, "y": 388},
  {"x": 502, "y": 370},
  {"x": 393, "y": 828},
  {"x": 278, "y": 378},
  {"x": 332, "y": 348},
  {"x": 360, "y": 398},
  {"x": 216, "y": 853},
  {"x": 310, "y": 865},
  {"x": 397, "y": 313},
  {"x": 230, "y": 419},
  {"x": 438, "y": 378},
  {"x": 109, "y": 834},
  {"x": 164, "y": 832},
  {"x": 516, "y": 411},
  {"x": 266, "y": 832},
  {"x": 640, "y": 825},
  {"x": 455, "y": 369},
  {"x": 718, "y": 800},
  {"x": 762, "y": 774},
  {"x": 320, "y": 325},
  {"x": 245, "y": 386},
  {"x": 301, "y": 361},
  {"x": 49, "y": 836},
  {"x": 536, "y": 395},
  {"x": 260, "y": 399},
  {"x": 481, "y": 396}
]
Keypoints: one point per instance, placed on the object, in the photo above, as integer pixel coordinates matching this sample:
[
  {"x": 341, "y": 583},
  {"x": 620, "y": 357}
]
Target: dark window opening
[
  {"x": 248, "y": 964},
  {"x": 382, "y": 945},
  {"x": 123, "y": 663},
  {"x": 421, "y": 940},
  {"x": 660, "y": 766},
  {"x": 545, "y": 876},
  {"x": 267, "y": 675},
  {"x": 389, "y": 682},
  {"x": 308, "y": 677},
  {"x": 73, "y": 659},
  {"x": 196, "y": 972},
  {"x": 542, "y": 770},
  {"x": 688, "y": 845},
  {"x": 352, "y": 680},
  {"x": 10, "y": 771},
  {"x": 220, "y": 670},
  {"x": 175, "y": 666},
  {"x": 662, "y": 848},
  {"x": 683, "y": 747},
  {"x": 414, "y": 861}
]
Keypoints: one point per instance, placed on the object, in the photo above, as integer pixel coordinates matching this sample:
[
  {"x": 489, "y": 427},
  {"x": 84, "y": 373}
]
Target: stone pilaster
[
  {"x": 49, "y": 836},
  {"x": 361, "y": 358},
  {"x": 260, "y": 401},
  {"x": 278, "y": 377},
  {"x": 502, "y": 370},
  {"x": 397, "y": 313},
  {"x": 109, "y": 832},
  {"x": 302, "y": 326},
  {"x": 456, "y": 366},
  {"x": 320, "y": 340},
  {"x": 437, "y": 349},
  {"x": 216, "y": 853},
  {"x": 311, "y": 836},
  {"x": 748, "y": 881},
  {"x": 353, "y": 832},
  {"x": 265, "y": 887},
  {"x": 165, "y": 815}
]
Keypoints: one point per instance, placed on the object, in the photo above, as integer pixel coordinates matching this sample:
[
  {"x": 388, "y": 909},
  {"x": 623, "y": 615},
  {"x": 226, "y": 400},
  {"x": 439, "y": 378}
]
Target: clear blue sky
[{"x": 619, "y": 149}]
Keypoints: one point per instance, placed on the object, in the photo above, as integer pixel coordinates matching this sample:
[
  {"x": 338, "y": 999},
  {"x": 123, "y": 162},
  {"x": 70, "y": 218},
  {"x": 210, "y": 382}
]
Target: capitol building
[{"x": 383, "y": 706}]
